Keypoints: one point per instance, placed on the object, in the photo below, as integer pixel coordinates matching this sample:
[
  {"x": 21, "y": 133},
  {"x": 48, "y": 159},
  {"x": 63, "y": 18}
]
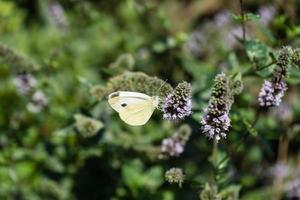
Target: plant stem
[
  {"x": 243, "y": 21},
  {"x": 236, "y": 148}
]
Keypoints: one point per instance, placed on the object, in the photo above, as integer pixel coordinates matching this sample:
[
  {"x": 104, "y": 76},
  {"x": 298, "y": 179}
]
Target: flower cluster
[
  {"x": 273, "y": 90},
  {"x": 266, "y": 14},
  {"x": 133, "y": 81},
  {"x": 279, "y": 171},
  {"x": 26, "y": 85},
  {"x": 178, "y": 104},
  {"x": 175, "y": 175},
  {"x": 174, "y": 146},
  {"x": 296, "y": 56},
  {"x": 38, "y": 102},
  {"x": 271, "y": 93},
  {"x": 293, "y": 188},
  {"x": 16, "y": 59},
  {"x": 216, "y": 121},
  {"x": 57, "y": 15},
  {"x": 87, "y": 126}
]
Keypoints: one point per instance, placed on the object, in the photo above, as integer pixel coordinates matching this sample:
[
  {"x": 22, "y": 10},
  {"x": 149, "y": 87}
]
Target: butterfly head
[{"x": 155, "y": 100}]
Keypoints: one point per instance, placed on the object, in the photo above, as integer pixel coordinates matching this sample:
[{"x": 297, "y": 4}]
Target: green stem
[
  {"x": 237, "y": 147},
  {"x": 243, "y": 21}
]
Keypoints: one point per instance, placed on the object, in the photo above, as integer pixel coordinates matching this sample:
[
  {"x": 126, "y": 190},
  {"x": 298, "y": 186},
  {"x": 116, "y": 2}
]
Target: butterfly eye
[{"x": 123, "y": 104}]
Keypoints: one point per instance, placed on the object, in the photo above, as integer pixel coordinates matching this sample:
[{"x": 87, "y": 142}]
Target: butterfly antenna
[{"x": 162, "y": 85}]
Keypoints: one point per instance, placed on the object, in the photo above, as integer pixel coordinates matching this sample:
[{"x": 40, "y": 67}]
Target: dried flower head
[
  {"x": 24, "y": 83},
  {"x": 178, "y": 104},
  {"x": 216, "y": 121},
  {"x": 17, "y": 60},
  {"x": 98, "y": 91},
  {"x": 296, "y": 56},
  {"x": 133, "y": 81},
  {"x": 175, "y": 175},
  {"x": 38, "y": 102},
  {"x": 87, "y": 126}
]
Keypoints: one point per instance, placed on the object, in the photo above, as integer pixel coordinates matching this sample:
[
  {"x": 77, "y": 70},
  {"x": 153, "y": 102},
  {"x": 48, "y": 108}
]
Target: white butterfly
[{"x": 134, "y": 108}]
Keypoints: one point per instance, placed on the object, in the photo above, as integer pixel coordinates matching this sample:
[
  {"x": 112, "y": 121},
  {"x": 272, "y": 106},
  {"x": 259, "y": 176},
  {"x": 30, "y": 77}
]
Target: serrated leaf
[{"x": 258, "y": 53}]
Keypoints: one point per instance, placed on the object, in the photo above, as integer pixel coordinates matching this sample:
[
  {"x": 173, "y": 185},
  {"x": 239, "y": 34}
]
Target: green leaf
[
  {"x": 247, "y": 17},
  {"x": 252, "y": 17},
  {"x": 236, "y": 83},
  {"x": 231, "y": 192},
  {"x": 259, "y": 54},
  {"x": 250, "y": 128}
]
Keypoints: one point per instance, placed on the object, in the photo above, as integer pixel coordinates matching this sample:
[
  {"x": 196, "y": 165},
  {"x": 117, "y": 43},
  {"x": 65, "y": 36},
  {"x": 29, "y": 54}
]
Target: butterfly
[{"x": 134, "y": 108}]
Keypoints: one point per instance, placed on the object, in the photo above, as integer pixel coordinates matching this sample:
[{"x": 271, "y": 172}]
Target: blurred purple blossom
[
  {"x": 24, "y": 83},
  {"x": 222, "y": 19},
  {"x": 279, "y": 171},
  {"x": 266, "y": 13},
  {"x": 58, "y": 15},
  {"x": 38, "y": 102},
  {"x": 293, "y": 188},
  {"x": 283, "y": 112},
  {"x": 172, "y": 146}
]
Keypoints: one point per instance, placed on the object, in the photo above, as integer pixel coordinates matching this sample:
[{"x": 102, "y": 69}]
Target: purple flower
[
  {"x": 172, "y": 147},
  {"x": 215, "y": 125},
  {"x": 266, "y": 14},
  {"x": 216, "y": 121},
  {"x": 273, "y": 90},
  {"x": 58, "y": 15},
  {"x": 222, "y": 19},
  {"x": 38, "y": 102},
  {"x": 280, "y": 171},
  {"x": 293, "y": 188},
  {"x": 24, "y": 83},
  {"x": 271, "y": 93},
  {"x": 178, "y": 104}
]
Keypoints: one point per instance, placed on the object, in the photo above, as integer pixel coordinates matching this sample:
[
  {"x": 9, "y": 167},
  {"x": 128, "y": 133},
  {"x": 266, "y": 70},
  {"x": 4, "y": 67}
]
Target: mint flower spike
[
  {"x": 272, "y": 91},
  {"x": 216, "y": 121},
  {"x": 175, "y": 175},
  {"x": 178, "y": 104}
]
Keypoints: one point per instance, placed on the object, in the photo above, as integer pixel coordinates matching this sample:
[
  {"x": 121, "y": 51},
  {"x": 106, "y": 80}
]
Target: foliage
[{"x": 226, "y": 74}]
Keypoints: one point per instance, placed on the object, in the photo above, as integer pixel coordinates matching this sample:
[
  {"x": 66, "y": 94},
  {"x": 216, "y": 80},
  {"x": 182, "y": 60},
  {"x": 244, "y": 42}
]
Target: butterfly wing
[
  {"x": 134, "y": 108},
  {"x": 137, "y": 114},
  {"x": 119, "y": 100}
]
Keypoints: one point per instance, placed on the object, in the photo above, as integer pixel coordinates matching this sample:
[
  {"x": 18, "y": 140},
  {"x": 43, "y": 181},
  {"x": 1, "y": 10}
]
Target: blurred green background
[{"x": 70, "y": 46}]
